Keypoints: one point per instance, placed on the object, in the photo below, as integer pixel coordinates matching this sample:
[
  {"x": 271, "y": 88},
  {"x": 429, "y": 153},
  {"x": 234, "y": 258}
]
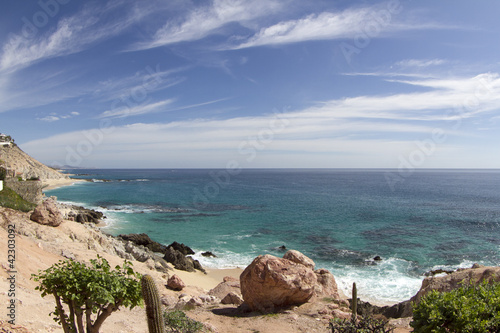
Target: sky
[{"x": 252, "y": 83}]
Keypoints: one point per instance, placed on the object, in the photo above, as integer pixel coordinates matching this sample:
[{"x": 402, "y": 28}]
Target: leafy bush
[
  {"x": 177, "y": 322},
  {"x": 3, "y": 173},
  {"x": 94, "y": 291},
  {"x": 474, "y": 309},
  {"x": 363, "y": 325}
]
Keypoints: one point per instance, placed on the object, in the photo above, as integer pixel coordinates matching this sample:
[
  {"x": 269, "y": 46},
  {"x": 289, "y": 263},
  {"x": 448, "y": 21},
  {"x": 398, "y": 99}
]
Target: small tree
[{"x": 89, "y": 291}]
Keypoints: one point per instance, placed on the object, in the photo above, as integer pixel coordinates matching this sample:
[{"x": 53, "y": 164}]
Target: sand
[{"x": 50, "y": 184}]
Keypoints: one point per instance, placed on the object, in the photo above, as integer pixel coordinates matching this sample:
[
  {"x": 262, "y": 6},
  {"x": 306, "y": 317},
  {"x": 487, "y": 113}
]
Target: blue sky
[{"x": 255, "y": 83}]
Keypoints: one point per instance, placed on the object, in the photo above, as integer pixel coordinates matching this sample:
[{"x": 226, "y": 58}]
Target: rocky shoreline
[{"x": 301, "y": 297}]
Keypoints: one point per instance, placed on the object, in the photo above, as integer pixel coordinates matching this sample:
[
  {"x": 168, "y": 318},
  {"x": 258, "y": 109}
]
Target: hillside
[{"x": 17, "y": 161}]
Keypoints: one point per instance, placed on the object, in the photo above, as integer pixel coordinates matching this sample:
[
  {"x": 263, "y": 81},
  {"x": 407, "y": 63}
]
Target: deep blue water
[{"x": 339, "y": 218}]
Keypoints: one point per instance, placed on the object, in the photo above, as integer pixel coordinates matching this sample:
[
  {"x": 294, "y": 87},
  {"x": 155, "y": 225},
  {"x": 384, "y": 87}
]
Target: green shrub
[
  {"x": 10, "y": 199},
  {"x": 3, "y": 173},
  {"x": 92, "y": 293},
  {"x": 472, "y": 308},
  {"x": 177, "y": 322},
  {"x": 363, "y": 325}
]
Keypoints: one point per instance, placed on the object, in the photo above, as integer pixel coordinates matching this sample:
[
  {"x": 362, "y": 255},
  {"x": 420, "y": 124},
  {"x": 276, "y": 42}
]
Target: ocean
[{"x": 342, "y": 219}]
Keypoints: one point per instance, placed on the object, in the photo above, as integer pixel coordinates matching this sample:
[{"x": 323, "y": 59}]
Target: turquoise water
[{"x": 339, "y": 218}]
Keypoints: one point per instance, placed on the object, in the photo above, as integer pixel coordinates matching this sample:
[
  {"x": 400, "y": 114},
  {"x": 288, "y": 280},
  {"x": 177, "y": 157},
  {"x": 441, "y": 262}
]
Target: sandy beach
[{"x": 50, "y": 184}]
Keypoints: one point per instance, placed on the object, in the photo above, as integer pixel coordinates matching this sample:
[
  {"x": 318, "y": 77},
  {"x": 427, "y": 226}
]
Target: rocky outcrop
[
  {"x": 455, "y": 280},
  {"x": 181, "y": 261},
  {"x": 84, "y": 215},
  {"x": 448, "y": 282},
  {"x": 184, "y": 249},
  {"x": 269, "y": 283},
  {"x": 47, "y": 213},
  {"x": 144, "y": 240}
]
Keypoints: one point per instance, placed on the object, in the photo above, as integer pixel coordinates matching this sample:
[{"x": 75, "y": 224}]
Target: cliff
[{"x": 20, "y": 164}]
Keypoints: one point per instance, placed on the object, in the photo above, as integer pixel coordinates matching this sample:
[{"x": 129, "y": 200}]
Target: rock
[
  {"x": 457, "y": 279},
  {"x": 84, "y": 215},
  {"x": 184, "y": 249},
  {"x": 144, "y": 240},
  {"x": 175, "y": 283},
  {"x": 232, "y": 298},
  {"x": 299, "y": 258},
  {"x": 209, "y": 299},
  {"x": 138, "y": 252},
  {"x": 270, "y": 282},
  {"x": 437, "y": 271},
  {"x": 180, "y": 261},
  {"x": 341, "y": 314},
  {"x": 229, "y": 285},
  {"x": 377, "y": 258},
  {"x": 209, "y": 254},
  {"x": 326, "y": 286},
  {"x": 47, "y": 213},
  {"x": 195, "y": 301},
  {"x": 68, "y": 254}
]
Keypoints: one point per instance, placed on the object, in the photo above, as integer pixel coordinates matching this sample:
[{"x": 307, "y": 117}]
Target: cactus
[
  {"x": 354, "y": 301},
  {"x": 153, "y": 306}
]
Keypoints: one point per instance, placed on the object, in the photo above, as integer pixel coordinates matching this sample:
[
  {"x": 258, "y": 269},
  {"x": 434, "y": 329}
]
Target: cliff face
[{"x": 17, "y": 161}]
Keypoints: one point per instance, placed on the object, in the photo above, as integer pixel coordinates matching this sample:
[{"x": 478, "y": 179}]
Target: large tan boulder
[
  {"x": 47, "y": 213},
  {"x": 299, "y": 258},
  {"x": 270, "y": 282}
]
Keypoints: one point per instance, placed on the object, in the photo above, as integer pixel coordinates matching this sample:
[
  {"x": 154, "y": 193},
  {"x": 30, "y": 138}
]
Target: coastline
[{"x": 51, "y": 184}]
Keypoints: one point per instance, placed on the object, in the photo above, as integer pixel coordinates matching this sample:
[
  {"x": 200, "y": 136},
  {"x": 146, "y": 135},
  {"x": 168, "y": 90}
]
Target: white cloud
[
  {"x": 420, "y": 63},
  {"x": 206, "y": 20},
  {"x": 368, "y": 22},
  {"x": 72, "y": 34},
  {"x": 381, "y": 127},
  {"x": 49, "y": 119},
  {"x": 126, "y": 111},
  {"x": 55, "y": 117}
]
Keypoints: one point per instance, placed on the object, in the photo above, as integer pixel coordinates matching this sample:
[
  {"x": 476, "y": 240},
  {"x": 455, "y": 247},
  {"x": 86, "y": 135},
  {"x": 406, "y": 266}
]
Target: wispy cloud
[
  {"x": 208, "y": 19},
  {"x": 349, "y": 23},
  {"x": 357, "y": 126},
  {"x": 141, "y": 109},
  {"x": 71, "y": 35},
  {"x": 420, "y": 63},
  {"x": 55, "y": 117}
]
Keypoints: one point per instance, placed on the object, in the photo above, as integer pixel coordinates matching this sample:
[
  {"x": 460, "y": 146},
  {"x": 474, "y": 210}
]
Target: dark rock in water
[
  {"x": 144, "y": 240},
  {"x": 184, "y": 249},
  {"x": 182, "y": 262},
  {"x": 209, "y": 254},
  {"x": 377, "y": 258},
  {"x": 282, "y": 248}
]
